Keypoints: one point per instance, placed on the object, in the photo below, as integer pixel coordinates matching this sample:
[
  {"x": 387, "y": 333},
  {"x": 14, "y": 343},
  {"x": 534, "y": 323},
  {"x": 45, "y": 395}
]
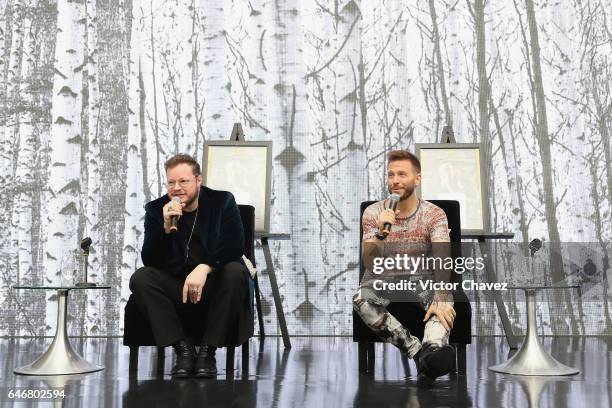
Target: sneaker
[{"x": 433, "y": 362}]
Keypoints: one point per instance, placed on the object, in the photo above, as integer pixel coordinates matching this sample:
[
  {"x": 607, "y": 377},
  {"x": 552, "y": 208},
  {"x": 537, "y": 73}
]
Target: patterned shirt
[
  {"x": 411, "y": 235},
  {"x": 428, "y": 223}
]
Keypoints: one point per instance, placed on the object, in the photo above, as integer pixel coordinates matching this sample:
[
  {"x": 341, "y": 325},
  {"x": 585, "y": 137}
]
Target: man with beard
[
  {"x": 417, "y": 226},
  {"x": 195, "y": 269}
]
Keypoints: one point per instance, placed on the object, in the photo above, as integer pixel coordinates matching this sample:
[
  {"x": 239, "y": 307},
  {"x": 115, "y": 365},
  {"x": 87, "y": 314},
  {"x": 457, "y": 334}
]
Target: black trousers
[{"x": 223, "y": 315}]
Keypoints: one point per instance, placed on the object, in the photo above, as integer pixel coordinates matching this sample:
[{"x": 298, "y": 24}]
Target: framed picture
[
  {"x": 244, "y": 169},
  {"x": 453, "y": 171}
]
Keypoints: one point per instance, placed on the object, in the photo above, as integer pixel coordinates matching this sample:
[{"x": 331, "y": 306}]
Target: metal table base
[
  {"x": 532, "y": 359},
  {"x": 60, "y": 358}
]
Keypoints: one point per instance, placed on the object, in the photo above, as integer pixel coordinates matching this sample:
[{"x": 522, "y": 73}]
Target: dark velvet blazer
[{"x": 218, "y": 223}]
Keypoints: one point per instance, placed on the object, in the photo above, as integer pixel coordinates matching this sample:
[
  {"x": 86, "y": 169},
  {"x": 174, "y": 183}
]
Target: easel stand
[
  {"x": 280, "y": 314},
  {"x": 237, "y": 135}
]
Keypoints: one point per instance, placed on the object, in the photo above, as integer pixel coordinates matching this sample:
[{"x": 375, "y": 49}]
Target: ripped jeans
[{"x": 372, "y": 309}]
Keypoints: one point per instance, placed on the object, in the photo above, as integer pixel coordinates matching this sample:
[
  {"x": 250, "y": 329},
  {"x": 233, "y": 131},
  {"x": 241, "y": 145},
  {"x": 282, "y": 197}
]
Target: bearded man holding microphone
[
  {"x": 405, "y": 224},
  {"x": 192, "y": 256}
]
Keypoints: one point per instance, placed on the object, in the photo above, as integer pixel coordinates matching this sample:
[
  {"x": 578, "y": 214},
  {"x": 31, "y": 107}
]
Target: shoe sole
[
  {"x": 207, "y": 375},
  {"x": 181, "y": 376},
  {"x": 424, "y": 381}
]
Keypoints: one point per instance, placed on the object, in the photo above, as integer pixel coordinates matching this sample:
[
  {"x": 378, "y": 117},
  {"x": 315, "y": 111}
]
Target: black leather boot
[
  {"x": 185, "y": 359},
  {"x": 434, "y": 361},
  {"x": 206, "y": 364}
]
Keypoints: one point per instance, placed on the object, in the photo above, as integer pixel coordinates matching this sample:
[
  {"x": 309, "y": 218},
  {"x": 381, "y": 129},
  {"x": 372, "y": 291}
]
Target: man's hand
[
  {"x": 170, "y": 209},
  {"x": 194, "y": 283},
  {"x": 387, "y": 216},
  {"x": 445, "y": 312}
]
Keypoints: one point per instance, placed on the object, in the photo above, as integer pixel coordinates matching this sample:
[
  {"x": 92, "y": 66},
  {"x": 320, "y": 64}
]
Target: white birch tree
[
  {"x": 9, "y": 131},
  {"x": 64, "y": 179},
  {"x": 134, "y": 197},
  {"x": 218, "y": 116},
  {"x": 91, "y": 180},
  {"x": 8, "y": 146},
  {"x": 24, "y": 177},
  {"x": 289, "y": 122},
  {"x": 337, "y": 143},
  {"x": 3, "y": 62},
  {"x": 197, "y": 98}
]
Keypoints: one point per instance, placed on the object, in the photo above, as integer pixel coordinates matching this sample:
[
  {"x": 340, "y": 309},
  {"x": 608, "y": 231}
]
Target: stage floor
[{"x": 316, "y": 372}]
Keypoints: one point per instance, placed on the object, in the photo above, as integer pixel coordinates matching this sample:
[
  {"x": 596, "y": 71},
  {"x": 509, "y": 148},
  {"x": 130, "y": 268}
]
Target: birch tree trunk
[
  {"x": 217, "y": 109},
  {"x": 598, "y": 82},
  {"x": 45, "y": 24},
  {"x": 134, "y": 197},
  {"x": 543, "y": 140},
  {"x": 197, "y": 100},
  {"x": 143, "y": 135},
  {"x": 339, "y": 143},
  {"x": 293, "y": 168},
  {"x": 592, "y": 161},
  {"x": 598, "y": 104},
  {"x": 8, "y": 149},
  {"x": 439, "y": 67},
  {"x": 64, "y": 183},
  {"x": 149, "y": 83},
  {"x": 246, "y": 67},
  {"x": 483, "y": 108},
  {"x": 604, "y": 126},
  {"x": 24, "y": 177},
  {"x": 3, "y": 62},
  {"x": 9, "y": 130},
  {"x": 91, "y": 194},
  {"x": 517, "y": 189}
]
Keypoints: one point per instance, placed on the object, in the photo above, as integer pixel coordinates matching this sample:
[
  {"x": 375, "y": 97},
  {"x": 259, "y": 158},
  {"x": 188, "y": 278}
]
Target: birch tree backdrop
[{"x": 96, "y": 94}]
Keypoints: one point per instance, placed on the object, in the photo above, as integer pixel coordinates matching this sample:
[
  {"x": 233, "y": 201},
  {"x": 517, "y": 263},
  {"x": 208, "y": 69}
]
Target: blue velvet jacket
[{"x": 219, "y": 225}]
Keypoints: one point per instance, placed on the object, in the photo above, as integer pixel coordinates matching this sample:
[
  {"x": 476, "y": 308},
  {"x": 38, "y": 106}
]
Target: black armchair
[
  {"x": 137, "y": 331},
  {"x": 411, "y": 315}
]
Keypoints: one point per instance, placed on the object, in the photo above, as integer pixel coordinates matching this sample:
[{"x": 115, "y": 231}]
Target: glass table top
[{"x": 544, "y": 287}]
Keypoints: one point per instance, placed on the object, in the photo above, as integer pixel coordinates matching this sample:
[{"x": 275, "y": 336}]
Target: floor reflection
[{"x": 316, "y": 372}]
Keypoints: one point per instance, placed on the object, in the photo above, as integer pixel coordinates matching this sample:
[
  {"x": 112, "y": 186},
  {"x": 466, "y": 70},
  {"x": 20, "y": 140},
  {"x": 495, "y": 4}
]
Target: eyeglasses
[{"x": 182, "y": 183}]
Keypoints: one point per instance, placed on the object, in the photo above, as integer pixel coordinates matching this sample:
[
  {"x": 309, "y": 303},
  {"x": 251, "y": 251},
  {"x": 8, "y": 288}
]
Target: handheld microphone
[
  {"x": 394, "y": 201},
  {"x": 174, "y": 218}
]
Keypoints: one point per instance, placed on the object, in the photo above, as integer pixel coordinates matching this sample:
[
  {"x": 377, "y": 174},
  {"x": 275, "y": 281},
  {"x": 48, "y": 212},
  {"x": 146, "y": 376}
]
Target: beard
[
  {"x": 408, "y": 191},
  {"x": 191, "y": 199}
]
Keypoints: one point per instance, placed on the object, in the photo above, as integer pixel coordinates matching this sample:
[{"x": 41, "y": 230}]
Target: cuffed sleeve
[{"x": 155, "y": 243}]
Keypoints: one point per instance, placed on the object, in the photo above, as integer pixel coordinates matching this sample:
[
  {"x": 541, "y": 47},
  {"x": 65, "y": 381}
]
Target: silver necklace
[{"x": 195, "y": 219}]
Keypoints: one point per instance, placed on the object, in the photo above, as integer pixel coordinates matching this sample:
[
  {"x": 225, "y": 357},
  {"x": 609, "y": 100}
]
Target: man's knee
[
  {"x": 357, "y": 300},
  {"x": 142, "y": 277},
  {"x": 372, "y": 315},
  {"x": 233, "y": 273}
]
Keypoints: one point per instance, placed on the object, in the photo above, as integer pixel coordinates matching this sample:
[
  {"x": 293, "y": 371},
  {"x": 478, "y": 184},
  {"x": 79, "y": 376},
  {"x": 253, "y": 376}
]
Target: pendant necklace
[{"x": 195, "y": 219}]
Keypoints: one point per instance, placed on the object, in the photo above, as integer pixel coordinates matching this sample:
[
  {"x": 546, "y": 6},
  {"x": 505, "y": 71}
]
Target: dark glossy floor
[{"x": 317, "y": 372}]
